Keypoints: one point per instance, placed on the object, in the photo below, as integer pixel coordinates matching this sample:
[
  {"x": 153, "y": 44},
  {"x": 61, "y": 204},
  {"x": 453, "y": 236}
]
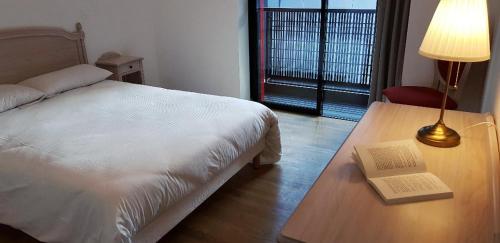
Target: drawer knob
[{"x": 130, "y": 67}]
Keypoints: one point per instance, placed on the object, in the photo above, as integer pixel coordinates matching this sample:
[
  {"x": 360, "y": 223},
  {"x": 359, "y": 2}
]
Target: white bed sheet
[
  {"x": 99, "y": 163},
  {"x": 155, "y": 230}
]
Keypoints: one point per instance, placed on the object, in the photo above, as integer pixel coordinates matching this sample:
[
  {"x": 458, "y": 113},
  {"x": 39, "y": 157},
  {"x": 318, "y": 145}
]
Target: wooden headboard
[{"x": 31, "y": 51}]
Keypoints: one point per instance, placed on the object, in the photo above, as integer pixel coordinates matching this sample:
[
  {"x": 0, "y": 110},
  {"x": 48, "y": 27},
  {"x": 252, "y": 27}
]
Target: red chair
[{"x": 432, "y": 97}]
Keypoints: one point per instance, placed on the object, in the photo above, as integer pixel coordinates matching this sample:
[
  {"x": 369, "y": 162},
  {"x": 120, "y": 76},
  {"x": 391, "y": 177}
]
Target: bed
[{"x": 112, "y": 161}]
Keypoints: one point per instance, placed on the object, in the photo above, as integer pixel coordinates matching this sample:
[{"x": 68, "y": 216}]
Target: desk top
[{"x": 342, "y": 207}]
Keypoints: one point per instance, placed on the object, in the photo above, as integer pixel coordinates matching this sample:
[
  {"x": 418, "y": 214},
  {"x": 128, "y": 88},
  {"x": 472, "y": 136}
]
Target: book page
[
  {"x": 390, "y": 158},
  {"x": 411, "y": 187}
]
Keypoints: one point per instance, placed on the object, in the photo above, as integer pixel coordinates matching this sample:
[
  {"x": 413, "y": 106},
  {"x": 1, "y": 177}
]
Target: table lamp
[{"x": 458, "y": 32}]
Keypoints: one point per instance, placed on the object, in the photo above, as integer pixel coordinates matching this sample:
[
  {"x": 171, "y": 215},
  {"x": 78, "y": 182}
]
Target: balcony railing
[{"x": 293, "y": 45}]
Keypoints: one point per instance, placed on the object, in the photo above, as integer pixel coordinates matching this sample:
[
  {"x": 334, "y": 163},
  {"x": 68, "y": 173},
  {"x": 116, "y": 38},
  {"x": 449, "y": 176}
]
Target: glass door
[
  {"x": 350, "y": 40},
  {"x": 288, "y": 50},
  {"x": 313, "y": 56}
]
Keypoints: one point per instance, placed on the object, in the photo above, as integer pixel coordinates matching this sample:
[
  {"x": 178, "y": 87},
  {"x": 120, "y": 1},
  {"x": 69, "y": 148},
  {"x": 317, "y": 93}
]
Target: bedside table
[{"x": 124, "y": 68}]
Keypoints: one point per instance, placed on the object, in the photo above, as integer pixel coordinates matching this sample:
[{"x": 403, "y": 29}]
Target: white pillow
[
  {"x": 12, "y": 96},
  {"x": 67, "y": 79}
]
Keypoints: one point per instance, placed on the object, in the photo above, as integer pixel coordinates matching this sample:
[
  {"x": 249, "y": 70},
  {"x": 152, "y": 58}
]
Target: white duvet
[{"x": 98, "y": 163}]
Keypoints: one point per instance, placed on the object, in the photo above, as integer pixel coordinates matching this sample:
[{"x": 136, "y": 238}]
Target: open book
[{"x": 397, "y": 171}]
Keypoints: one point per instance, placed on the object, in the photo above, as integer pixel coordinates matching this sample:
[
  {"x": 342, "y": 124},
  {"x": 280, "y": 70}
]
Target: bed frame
[{"x": 31, "y": 51}]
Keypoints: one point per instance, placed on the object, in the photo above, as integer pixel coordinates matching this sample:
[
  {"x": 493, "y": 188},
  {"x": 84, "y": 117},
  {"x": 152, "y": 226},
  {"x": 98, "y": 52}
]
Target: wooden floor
[{"x": 255, "y": 204}]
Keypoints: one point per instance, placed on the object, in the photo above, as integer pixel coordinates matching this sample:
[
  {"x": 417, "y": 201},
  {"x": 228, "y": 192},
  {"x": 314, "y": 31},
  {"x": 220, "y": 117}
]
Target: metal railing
[{"x": 293, "y": 45}]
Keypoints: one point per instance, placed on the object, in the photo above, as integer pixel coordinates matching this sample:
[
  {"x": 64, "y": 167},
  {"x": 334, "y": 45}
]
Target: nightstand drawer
[{"x": 130, "y": 67}]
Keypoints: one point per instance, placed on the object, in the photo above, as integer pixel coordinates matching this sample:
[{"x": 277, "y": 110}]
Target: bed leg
[{"x": 256, "y": 162}]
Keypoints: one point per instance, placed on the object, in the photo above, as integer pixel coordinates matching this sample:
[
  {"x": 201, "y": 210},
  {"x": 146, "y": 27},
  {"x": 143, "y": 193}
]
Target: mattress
[{"x": 101, "y": 163}]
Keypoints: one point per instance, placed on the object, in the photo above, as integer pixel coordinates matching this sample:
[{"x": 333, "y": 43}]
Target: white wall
[
  {"x": 200, "y": 46},
  {"x": 244, "y": 52},
  {"x": 418, "y": 70},
  {"x": 337, "y": 4},
  {"x": 492, "y": 90},
  {"x": 491, "y": 102},
  {"x": 191, "y": 45},
  {"x": 119, "y": 25}
]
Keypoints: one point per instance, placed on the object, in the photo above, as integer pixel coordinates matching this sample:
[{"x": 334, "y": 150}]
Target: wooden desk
[{"x": 342, "y": 207}]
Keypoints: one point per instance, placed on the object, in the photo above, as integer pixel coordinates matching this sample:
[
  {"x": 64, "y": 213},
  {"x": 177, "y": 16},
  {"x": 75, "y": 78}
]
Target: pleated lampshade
[{"x": 458, "y": 32}]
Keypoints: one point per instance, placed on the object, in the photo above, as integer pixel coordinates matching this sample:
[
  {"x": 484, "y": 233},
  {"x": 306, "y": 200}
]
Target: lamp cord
[{"x": 478, "y": 124}]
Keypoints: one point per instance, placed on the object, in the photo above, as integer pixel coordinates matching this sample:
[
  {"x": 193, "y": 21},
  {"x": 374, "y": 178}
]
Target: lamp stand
[{"x": 439, "y": 135}]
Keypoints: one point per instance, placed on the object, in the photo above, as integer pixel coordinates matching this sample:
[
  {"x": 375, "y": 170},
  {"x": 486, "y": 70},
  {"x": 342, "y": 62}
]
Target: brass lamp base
[{"x": 438, "y": 135}]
